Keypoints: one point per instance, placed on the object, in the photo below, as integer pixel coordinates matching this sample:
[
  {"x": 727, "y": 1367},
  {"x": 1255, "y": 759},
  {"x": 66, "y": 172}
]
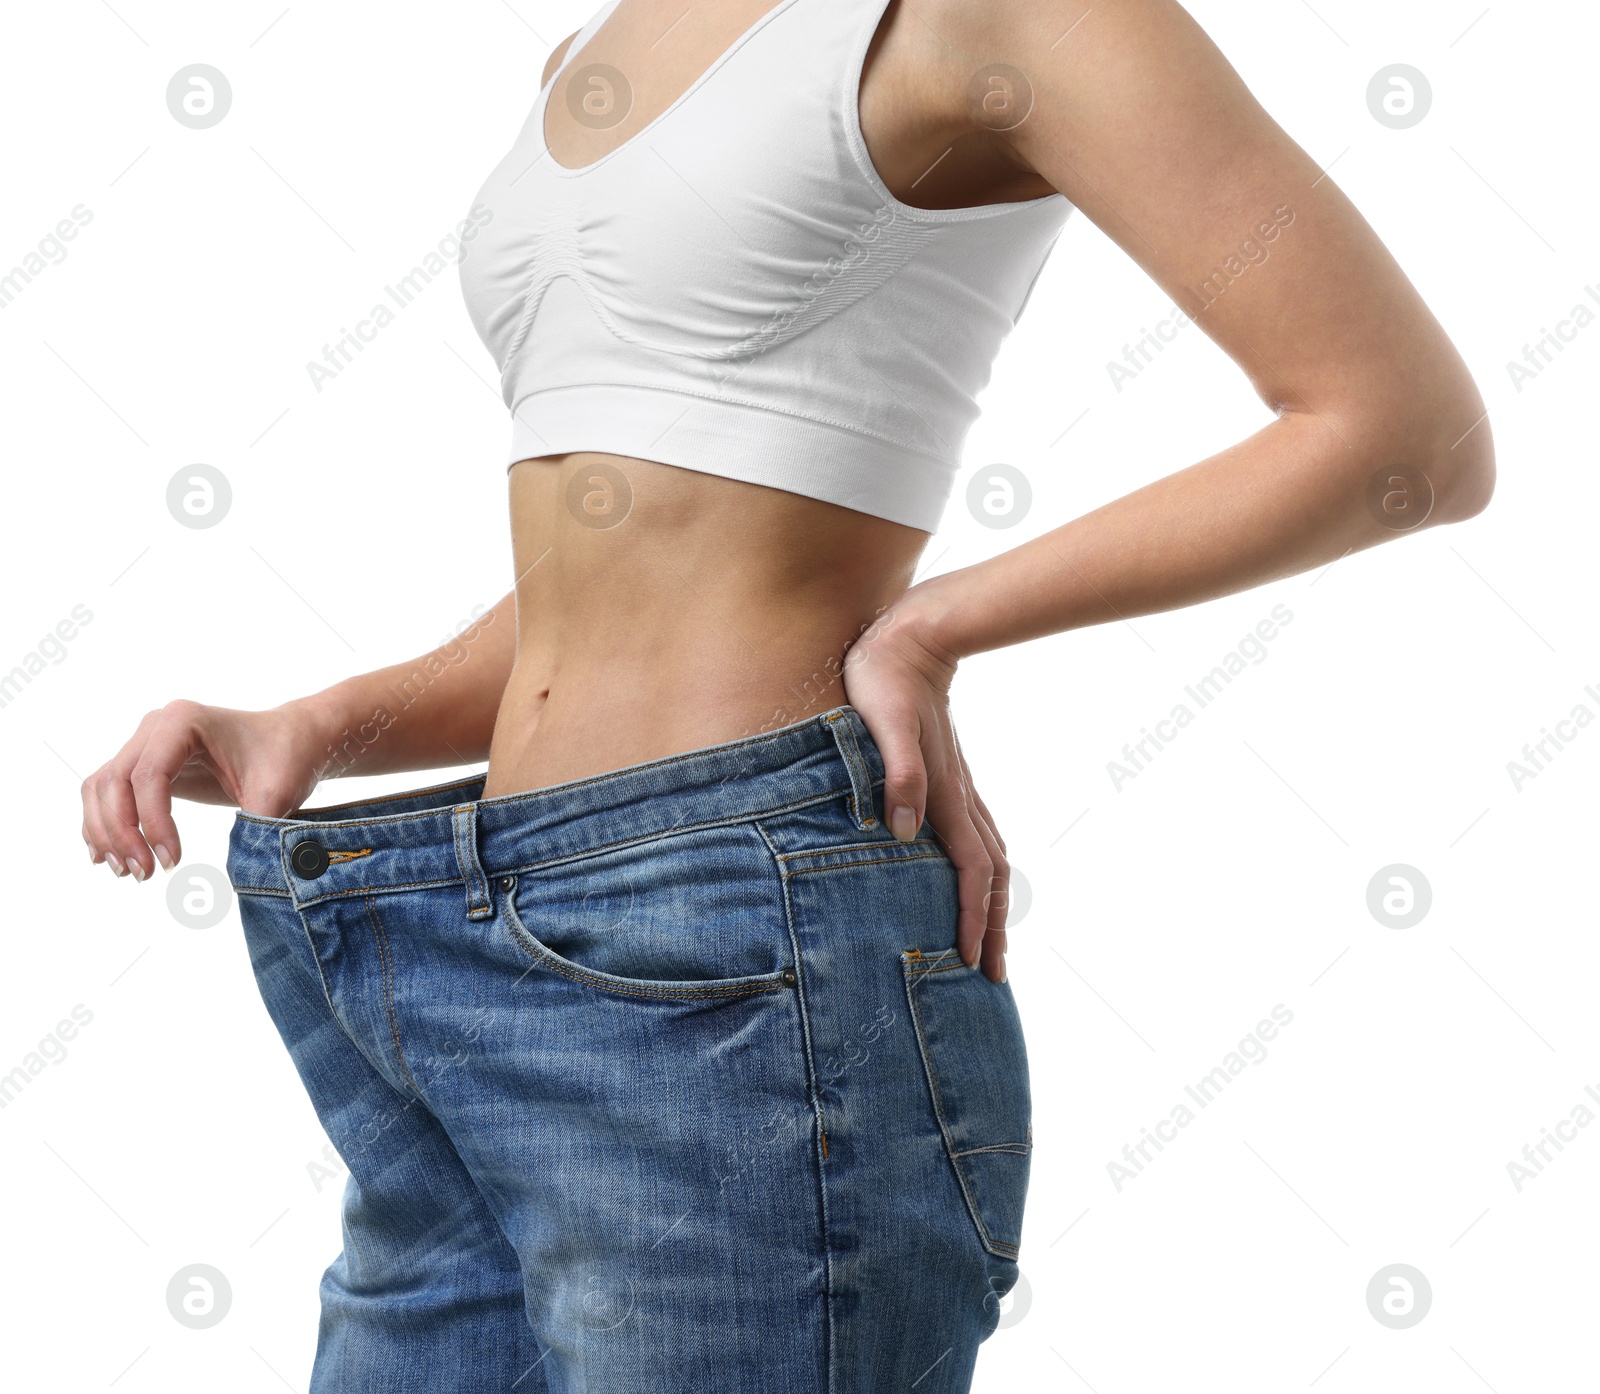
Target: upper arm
[
  {"x": 1144, "y": 125},
  {"x": 556, "y": 55}
]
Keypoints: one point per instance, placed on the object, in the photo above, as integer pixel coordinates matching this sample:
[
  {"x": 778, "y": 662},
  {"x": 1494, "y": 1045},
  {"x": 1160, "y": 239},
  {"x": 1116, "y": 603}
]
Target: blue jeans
[{"x": 668, "y": 1081}]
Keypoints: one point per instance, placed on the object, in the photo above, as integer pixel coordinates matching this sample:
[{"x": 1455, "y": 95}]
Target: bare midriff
[
  {"x": 660, "y": 610},
  {"x": 701, "y": 609}
]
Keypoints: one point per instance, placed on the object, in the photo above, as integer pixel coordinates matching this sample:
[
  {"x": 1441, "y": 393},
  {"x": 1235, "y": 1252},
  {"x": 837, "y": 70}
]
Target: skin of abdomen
[{"x": 660, "y": 610}]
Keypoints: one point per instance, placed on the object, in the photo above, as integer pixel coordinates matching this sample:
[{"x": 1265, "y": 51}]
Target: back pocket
[{"x": 970, "y": 1037}]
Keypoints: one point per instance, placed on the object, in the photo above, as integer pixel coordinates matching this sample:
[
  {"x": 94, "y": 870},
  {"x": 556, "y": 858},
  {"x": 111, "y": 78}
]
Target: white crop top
[{"x": 734, "y": 290}]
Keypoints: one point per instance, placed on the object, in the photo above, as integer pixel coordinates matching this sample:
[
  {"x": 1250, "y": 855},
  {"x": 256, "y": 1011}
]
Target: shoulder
[
  {"x": 556, "y": 55},
  {"x": 1046, "y": 40}
]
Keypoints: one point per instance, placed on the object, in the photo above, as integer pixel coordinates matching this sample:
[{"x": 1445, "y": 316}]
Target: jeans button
[{"x": 309, "y": 859}]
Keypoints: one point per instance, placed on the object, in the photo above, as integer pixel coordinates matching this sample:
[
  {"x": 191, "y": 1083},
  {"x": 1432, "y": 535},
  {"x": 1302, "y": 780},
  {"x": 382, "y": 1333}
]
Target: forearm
[
  {"x": 434, "y": 711},
  {"x": 1292, "y": 497}
]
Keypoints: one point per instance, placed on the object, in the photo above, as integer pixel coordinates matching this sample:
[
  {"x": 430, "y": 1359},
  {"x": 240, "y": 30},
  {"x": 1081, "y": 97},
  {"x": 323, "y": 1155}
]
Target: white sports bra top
[{"x": 734, "y": 290}]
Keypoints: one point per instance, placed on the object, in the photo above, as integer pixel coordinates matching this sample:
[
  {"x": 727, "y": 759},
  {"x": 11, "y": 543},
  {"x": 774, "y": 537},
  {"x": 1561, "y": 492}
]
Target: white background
[{"x": 1167, "y": 917}]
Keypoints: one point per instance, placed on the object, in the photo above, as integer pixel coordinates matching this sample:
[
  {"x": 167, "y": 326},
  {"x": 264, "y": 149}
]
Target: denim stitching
[
  {"x": 464, "y": 831},
  {"x": 860, "y": 776},
  {"x": 354, "y": 803},
  {"x": 816, "y": 1105},
  {"x": 913, "y": 973},
  {"x": 388, "y": 992},
  {"x": 333, "y": 1011},
  {"x": 872, "y": 861},
  {"x": 509, "y": 799},
  {"x": 729, "y": 821},
  {"x": 746, "y": 815},
  {"x": 566, "y": 968},
  {"x": 853, "y": 847}
]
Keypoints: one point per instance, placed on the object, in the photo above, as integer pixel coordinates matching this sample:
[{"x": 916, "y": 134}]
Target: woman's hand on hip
[
  {"x": 265, "y": 762},
  {"x": 899, "y": 681}
]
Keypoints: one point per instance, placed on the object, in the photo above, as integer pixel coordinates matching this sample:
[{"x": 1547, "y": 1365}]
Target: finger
[
  {"x": 983, "y": 820},
  {"x": 973, "y": 795},
  {"x": 94, "y": 826},
  {"x": 905, "y": 774},
  {"x": 172, "y": 743},
  {"x": 951, "y": 821},
  {"x": 99, "y": 802},
  {"x": 111, "y": 796},
  {"x": 999, "y": 902},
  {"x": 977, "y": 801}
]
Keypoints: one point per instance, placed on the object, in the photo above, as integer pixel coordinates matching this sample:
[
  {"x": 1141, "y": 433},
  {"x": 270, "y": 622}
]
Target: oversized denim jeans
[{"x": 668, "y": 1081}]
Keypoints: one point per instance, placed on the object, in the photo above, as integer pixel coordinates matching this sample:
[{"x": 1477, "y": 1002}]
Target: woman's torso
[{"x": 660, "y": 609}]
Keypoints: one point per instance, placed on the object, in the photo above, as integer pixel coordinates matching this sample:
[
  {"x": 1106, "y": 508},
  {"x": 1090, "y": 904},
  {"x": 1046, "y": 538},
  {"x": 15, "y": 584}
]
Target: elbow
[
  {"x": 1462, "y": 441},
  {"x": 1439, "y": 463},
  {"x": 1464, "y": 474},
  {"x": 1469, "y": 498}
]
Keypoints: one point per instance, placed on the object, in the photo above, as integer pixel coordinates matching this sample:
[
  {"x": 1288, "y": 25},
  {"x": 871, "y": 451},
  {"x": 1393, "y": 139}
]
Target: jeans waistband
[{"x": 447, "y": 833}]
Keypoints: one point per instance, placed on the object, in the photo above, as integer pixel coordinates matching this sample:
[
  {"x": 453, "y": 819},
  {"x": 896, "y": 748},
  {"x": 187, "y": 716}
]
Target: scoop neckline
[{"x": 549, "y": 87}]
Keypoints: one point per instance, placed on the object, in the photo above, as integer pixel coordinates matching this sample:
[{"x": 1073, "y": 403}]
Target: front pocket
[
  {"x": 675, "y": 990},
  {"x": 970, "y": 1038}
]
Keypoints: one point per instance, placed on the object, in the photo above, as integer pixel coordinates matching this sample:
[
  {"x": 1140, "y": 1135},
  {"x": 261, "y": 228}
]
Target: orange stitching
[
  {"x": 388, "y": 993},
  {"x": 349, "y": 856}
]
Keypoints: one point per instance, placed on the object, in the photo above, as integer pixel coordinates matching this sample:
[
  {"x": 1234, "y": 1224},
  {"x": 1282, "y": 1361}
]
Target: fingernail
[
  {"x": 115, "y": 863},
  {"x": 164, "y": 857},
  {"x": 137, "y": 869},
  {"x": 903, "y": 823},
  {"x": 93, "y": 856}
]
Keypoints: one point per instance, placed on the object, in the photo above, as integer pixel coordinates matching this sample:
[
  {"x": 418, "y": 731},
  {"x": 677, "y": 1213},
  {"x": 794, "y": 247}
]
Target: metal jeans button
[{"x": 309, "y": 859}]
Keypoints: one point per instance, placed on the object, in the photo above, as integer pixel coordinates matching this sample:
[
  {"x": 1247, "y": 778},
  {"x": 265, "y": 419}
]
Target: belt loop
[
  {"x": 842, "y": 723},
  {"x": 480, "y": 903}
]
